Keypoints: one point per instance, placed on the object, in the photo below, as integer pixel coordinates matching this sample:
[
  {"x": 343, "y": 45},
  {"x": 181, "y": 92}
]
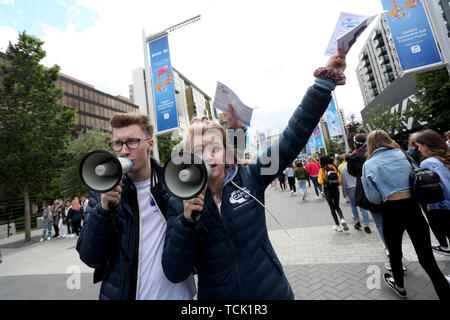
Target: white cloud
[
  {"x": 7, "y": 2},
  {"x": 265, "y": 51},
  {"x": 7, "y": 34}
]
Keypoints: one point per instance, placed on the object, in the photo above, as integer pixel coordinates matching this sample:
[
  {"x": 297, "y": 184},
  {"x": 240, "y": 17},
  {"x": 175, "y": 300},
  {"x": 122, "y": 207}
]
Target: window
[{"x": 69, "y": 88}]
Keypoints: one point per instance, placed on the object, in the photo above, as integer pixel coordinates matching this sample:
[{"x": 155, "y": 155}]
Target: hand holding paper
[{"x": 225, "y": 97}]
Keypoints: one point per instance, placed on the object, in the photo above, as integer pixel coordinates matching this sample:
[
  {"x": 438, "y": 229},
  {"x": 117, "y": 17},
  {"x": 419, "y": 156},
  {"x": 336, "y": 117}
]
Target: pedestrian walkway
[{"x": 320, "y": 263}]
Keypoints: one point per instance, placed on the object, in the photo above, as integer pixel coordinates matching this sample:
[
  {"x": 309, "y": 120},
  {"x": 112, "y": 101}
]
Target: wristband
[{"x": 331, "y": 73}]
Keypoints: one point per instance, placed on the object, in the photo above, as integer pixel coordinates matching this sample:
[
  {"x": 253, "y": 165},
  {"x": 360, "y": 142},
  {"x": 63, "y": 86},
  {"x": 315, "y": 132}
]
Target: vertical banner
[
  {"x": 334, "y": 125},
  {"x": 412, "y": 34},
  {"x": 262, "y": 140},
  {"x": 163, "y": 86},
  {"x": 318, "y": 138},
  {"x": 310, "y": 147}
]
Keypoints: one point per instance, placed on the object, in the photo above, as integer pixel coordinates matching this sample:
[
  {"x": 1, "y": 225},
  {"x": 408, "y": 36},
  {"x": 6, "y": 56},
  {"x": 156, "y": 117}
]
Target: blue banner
[
  {"x": 334, "y": 125},
  {"x": 310, "y": 148},
  {"x": 163, "y": 85},
  {"x": 412, "y": 34},
  {"x": 318, "y": 138}
]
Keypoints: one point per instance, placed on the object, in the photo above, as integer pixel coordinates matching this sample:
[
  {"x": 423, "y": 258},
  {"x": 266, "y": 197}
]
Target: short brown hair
[
  {"x": 121, "y": 120},
  {"x": 377, "y": 139}
]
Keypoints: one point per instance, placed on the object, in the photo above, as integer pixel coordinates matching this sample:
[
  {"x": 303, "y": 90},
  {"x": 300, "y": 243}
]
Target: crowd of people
[
  {"x": 375, "y": 178},
  {"x": 65, "y": 218}
]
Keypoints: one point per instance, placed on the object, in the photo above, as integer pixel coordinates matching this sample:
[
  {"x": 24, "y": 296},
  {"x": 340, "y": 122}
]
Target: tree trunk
[{"x": 26, "y": 196}]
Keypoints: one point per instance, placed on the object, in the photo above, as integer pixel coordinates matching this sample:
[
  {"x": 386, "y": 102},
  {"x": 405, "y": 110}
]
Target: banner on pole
[
  {"x": 163, "y": 85},
  {"x": 318, "y": 138},
  {"x": 333, "y": 122},
  {"x": 412, "y": 34}
]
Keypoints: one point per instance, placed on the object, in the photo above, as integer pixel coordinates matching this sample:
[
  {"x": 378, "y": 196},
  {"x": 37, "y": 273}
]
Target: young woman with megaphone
[{"x": 228, "y": 244}]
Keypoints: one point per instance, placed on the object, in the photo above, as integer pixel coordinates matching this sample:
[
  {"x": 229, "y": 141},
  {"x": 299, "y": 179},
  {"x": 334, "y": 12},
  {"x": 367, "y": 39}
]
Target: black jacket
[
  {"x": 98, "y": 244},
  {"x": 355, "y": 164}
]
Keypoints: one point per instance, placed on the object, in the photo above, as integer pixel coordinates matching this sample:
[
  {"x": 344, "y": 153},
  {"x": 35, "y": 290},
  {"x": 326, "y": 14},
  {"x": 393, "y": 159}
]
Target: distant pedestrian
[
  {"x": 313, "y": 170},
  {"x": 348, "y": 190},
  {"x": 68, "y": 221},
  {"x": 289, "y": 172},
  {"x": 47, "y": 219},
  {"x": 63, "y": 232},
  {"x": 341, "y": 162},
  {"x": 385, "y": 178},
  {"x": 56, "y": 213},
  {"x": 437, "y": 155},
  {"x": 281, "y": 178},
  {"x": 447, "y": 139},
  {"x": 75, "y": 216},
  {"x": 301, "y": 174},
  {"x": 413, "y": 149},
  {"x": 330, "y": 179}
]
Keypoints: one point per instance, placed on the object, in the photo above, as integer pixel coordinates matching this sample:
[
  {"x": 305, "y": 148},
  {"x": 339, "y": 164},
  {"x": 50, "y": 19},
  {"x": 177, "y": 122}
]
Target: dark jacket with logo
[
  {"x": 355, "y": 164},
  {"x": 231, "y": 250},
  {"x": 98, "y": 244}
]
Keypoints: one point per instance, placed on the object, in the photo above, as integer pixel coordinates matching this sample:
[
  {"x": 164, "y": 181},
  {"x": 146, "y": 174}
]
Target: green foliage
[
  {"x": 381, "y": 118},
  {"x": 34, "y": 129},
  {"x": 433, "y": 100},
  {"x": 333, "y": 147},
  {"x": 166, "y": 143},
  {"x": 69, "y": 180}
]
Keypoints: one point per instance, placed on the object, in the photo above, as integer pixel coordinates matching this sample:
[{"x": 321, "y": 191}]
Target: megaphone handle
[{"x": 195, "y": 214}]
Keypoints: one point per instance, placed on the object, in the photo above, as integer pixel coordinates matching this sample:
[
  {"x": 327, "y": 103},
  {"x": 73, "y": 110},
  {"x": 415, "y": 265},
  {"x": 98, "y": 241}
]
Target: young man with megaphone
[
  {"x": 124, "y": 236},
  {"x": 228, "y": 242}
]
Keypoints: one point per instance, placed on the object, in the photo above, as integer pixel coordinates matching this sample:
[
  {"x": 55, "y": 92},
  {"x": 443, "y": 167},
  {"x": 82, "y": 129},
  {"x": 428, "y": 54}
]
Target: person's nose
[{"x": 125, "y": 151}]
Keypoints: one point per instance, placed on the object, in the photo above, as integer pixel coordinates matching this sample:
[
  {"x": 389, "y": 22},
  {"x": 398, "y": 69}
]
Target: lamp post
[{"x": 148, "y": 78}]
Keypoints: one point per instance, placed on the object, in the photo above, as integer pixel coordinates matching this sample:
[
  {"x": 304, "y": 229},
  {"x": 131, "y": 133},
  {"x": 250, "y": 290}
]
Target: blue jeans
[
  {"x": 379, "y": 223},
  {"x": 302, "y": 187},
  {"x": 316, "y": 184},
  {"x": 365, "y": 213},
  {"x": 47, "y": 227}
]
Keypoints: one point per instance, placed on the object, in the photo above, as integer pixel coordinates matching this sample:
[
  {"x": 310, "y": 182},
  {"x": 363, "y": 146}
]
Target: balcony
[
  {"x": 369, "y": 77},
  {"x": 389, "y": 77},
  {"x": 386, "y": 68},
  {"x": 377, "y": 35},
  {"x": 374, "y": 92},
  {"x": 384, "y": 59},
  {"x": 364, "y": 56},
  {"x": 372, "y": 85},
  {"x": 366, "y": 63},
  {"x": 381, "y": 51},
  {"x": 369, "y": 70},
  {"x": 378, "y": 43}
]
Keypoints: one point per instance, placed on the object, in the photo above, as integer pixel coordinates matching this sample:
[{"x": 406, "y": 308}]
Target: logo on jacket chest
[{"x": 238, "y": 196}]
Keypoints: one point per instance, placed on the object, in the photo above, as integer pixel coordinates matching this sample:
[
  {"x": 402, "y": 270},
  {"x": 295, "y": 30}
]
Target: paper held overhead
[
  {"x": 348, "y": 28},
  {"x": 225, "y": 96}
]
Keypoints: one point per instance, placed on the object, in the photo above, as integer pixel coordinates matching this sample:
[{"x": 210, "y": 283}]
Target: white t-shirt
[{"x": 152, "y": 282}]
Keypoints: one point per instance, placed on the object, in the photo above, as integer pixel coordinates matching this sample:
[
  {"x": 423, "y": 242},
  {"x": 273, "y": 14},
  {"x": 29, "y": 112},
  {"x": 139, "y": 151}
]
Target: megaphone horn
[
  {"x": 101, "y": 170},
  {"x": 187, "y": 178}
]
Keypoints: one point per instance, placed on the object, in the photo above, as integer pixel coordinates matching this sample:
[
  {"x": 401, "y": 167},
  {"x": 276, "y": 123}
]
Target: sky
[{"x": 265, "y": 51}]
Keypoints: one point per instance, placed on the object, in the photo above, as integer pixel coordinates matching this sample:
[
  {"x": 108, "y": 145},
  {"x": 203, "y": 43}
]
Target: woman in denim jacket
[
  {"x": 385, "y": 179},
  {"x": 433, "y": 147}
]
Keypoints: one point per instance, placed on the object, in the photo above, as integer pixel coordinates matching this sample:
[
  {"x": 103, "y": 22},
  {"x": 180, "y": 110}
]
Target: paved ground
[{"x": 320, "y": 263}]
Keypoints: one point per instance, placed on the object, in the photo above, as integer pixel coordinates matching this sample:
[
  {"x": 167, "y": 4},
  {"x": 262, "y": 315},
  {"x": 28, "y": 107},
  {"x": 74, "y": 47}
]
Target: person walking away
[
  {"x": 289, "y": 172},
  {"x": 330, "y": 179},
  {"x": 75, "y": 216},
  {"x": 385, "y": 179},
  {"x": 47, "y": 219},
  {"x": 437, "y": 159},
  {"x": 301, "y": 175},
  {"x": 355, "y": 161},
  {"x": 281, "y": 178},
  {"x": 341, "y": 162},
  {"x": 348, "y": 190},
  {"x": 313, "y": 171},
  {"x": 68, "y": 221},
  {"x": 56, "y": 213}
]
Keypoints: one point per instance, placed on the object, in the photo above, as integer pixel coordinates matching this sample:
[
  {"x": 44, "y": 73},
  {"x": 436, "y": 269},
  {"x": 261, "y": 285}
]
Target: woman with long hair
[
  {"x": 385, "y": 179},
  {"x": 331, "y": 191},
  {"x": 434, "y": 149},
  {"x": 313, "y": 171}
]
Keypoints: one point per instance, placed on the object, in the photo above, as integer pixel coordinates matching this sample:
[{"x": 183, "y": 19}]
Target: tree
[
  {"x": 432, "y": 100},
  {"x": 167, "y": 143},
  {"x": 381, "y": 118},
  {"x": 333, "y": 147},
  {"x": 69, "y": 178},
  {"x": 34, "y": 129}
]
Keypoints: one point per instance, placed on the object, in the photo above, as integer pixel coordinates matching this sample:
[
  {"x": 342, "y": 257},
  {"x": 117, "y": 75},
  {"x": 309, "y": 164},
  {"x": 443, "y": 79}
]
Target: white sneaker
[
  {"x": 72, "y": 235},
  {"x": 344, "y": 224},
  {"x": 292, "y": 192},
  {"x": 42, "y": 239},
  {"x": 49, "y": 238},
  {"x": 337, "y": 228}
]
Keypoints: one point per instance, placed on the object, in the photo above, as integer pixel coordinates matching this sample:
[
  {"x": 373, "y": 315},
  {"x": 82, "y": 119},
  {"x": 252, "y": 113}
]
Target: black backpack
[
  {"x": 425, "y": 184},
  {"x": 332, "y": 179}
]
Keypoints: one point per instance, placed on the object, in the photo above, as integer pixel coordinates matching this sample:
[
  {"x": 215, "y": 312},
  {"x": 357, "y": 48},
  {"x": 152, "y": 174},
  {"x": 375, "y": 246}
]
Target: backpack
[
  {"x": 332, "y": 179},
  {"x": 425, "y": 184}
]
